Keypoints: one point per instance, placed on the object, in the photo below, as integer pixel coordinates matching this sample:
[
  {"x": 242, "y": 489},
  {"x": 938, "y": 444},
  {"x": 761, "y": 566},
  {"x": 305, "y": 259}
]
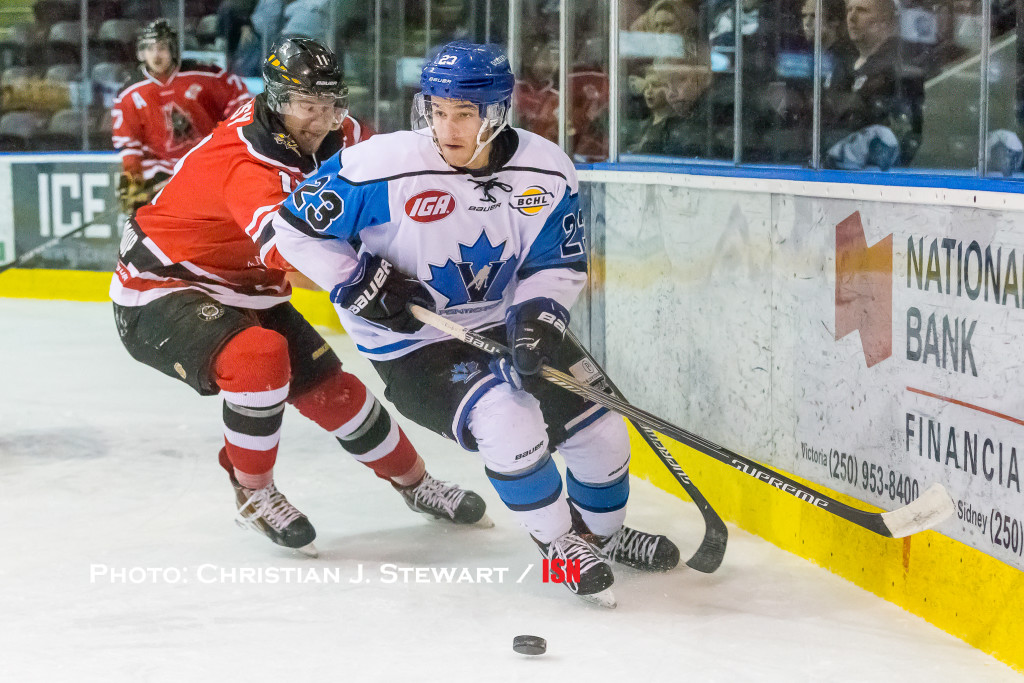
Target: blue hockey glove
[
  {"x": 503, "y": 369},
  {"x": 379, "y": 292},
  {"x": 535, "y": 330}
]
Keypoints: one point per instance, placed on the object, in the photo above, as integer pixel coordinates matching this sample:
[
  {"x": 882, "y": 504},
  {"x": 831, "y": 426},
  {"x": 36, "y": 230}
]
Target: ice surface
[{"x": 108, "y": 466}]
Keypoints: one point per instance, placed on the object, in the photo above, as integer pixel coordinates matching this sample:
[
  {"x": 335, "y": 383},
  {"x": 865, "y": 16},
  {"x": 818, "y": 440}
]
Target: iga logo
[
  {"x": 532, "y": 200},
  {"x": 429, "y": 206}
]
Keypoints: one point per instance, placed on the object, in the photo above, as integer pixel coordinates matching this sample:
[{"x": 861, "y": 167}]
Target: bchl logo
[
  {"x": 430, "y": 206},
  {"x": 532, "y": 200},
  {"x": 560, "y": 571}
]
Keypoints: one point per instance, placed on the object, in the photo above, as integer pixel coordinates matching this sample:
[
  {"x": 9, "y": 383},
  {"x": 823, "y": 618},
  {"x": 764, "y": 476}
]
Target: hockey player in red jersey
[
  {"x": 194, "y": 299},
  {"x": 172, "y": 105}
]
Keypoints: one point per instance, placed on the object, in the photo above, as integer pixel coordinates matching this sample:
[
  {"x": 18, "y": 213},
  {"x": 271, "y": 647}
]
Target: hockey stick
[
  {"x": 709, "y": 555},
  {"x": 931, "y": 508},
  {"x": 35, "y": 251}
]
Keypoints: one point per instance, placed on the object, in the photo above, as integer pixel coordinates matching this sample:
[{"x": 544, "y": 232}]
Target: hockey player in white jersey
[{"x": 480, "y": 222}]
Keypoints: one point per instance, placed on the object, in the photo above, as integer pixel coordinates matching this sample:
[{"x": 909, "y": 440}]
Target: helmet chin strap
[{"x": 479, "y": 145}]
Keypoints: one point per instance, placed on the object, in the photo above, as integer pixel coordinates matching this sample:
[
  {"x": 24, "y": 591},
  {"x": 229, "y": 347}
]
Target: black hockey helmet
[
  {"x": 304, "y": 66},
  {"x": 159, "y": 30}
]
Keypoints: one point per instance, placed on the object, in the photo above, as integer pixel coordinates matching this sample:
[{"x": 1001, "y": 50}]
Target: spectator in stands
[
  {"x": 535, "y": 99},
  {"x": 171, "y": 107},
  {"x": 793, "y": 102},
  {"x": 241, "y": 43},
  {"x": 682, "y": 119},
  {"x": 768, "y": 30},
  {"x": 676, "y": 26},
  {"x": 268, "y": 21},
  {"x": 878, "y": 121},
  {"x": 233, "y": 23},
  {"x": 837, "y": 52}
]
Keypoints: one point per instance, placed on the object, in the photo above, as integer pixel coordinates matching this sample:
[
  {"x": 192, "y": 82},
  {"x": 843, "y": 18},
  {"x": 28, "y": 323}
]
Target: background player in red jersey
[
  {"x": 194, "y": 299},
  {"x": 173, "y": 105}
]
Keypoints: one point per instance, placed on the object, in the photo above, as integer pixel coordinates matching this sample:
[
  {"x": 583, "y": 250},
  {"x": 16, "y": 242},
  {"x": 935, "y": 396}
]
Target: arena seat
[
  {"x": 18, "y": 130},
  {"x": 115, "y": 41},
  {"x": 64, "y": 43},
  {"x": 62, "y": 133},
  {"x": 19, "y": 46},
  {"x": 64, "y": 73}
]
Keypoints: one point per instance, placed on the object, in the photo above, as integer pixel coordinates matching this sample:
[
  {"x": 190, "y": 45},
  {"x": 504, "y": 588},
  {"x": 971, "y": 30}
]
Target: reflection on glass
[
  {"x": 676, "y": 99},
  {"x": 900, "y": 83},
  {"x": 943, "y": 40},
  {"x": 1003, "y": 150}
]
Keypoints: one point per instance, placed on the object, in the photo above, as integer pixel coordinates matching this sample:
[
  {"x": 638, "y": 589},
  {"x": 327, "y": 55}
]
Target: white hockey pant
[{"x": 512, "y": 438}]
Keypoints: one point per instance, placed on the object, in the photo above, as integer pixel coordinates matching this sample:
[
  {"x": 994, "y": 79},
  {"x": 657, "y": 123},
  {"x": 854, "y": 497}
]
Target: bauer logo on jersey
[
  {"x": 430, "y": 206},
  {"x": 480, "y": 275},
  {"x": 532, "y": 200}
]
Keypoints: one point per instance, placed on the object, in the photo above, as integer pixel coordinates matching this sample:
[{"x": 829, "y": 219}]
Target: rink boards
[
  {"x": 864, "y": 338},
  {"x": 861, "y": 337}
]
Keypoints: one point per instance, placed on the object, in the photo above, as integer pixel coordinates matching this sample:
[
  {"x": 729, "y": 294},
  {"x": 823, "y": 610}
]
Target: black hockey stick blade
[
  {"x": 35, "y": 251},
  {"x": 711, "y": 552},
  {"x": 931, "y": 508}
]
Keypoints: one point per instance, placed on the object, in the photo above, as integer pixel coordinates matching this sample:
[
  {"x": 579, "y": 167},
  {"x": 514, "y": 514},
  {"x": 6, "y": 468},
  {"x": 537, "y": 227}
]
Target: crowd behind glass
[{"x": 841, "y": 84}]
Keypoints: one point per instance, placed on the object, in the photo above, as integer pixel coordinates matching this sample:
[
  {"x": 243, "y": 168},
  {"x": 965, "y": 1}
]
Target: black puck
[{"x": 529, "y": 645}]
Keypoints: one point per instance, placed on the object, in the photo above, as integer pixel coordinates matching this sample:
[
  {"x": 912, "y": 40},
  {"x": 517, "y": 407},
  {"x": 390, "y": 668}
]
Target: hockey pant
[{"x": 512, "y": 439}]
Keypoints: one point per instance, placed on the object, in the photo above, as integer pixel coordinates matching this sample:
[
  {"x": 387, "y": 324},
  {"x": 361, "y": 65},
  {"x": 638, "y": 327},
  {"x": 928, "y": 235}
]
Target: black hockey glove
[
  {"x": 379, "y": 292},
  {"x": 535, "y": 330}
]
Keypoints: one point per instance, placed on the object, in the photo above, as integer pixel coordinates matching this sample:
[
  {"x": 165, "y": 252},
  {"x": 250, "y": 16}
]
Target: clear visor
[
  {"x": 421, "y": 119},
  {"x": 306, "y": 110}
]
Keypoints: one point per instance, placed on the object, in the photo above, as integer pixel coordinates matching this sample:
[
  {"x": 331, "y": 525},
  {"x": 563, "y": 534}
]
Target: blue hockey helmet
[
  {"x": 473, "y": 72},
  {"x": 476, "y": 73}
]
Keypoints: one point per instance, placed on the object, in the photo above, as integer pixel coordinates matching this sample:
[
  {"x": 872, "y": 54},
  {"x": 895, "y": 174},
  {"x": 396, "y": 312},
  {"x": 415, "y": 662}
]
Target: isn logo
[
  {"x": 560, "y": 571},
  {"x": 430, "y": 206},
  {"x": 532, "y": 200}
]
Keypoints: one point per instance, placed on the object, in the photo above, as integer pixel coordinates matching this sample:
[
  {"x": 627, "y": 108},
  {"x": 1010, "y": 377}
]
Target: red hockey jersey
[
  {"x": 198, "y": 233},
  {"x": 155, "y": 124}
]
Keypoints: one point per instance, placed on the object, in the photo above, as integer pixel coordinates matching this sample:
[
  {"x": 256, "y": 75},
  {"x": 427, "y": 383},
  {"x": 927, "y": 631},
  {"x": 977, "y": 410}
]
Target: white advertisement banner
[
  {"x": 909, "y": 368},
  {"x": 868, "y": 346}
]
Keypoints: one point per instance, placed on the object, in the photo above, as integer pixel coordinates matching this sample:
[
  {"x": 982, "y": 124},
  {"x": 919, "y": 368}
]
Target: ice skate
[
  {"x": 267, "y": 511},
  {"x": 446, "y": 502},
  {"x": 595, "y": 576},
  {"x": 638, "y": 549}
]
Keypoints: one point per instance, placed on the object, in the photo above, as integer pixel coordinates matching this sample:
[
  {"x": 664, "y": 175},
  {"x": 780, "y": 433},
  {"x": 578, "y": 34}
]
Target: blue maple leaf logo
[
  {"x": 481, "y": 275},
  {"x": 463, "y": 372}
]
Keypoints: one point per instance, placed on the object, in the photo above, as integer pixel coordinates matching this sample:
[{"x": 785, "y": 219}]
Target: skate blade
[
  {"x": 603, "y": 598},
  {"x": 309, "y": 550},
  {"x": 484, "y": 522}
]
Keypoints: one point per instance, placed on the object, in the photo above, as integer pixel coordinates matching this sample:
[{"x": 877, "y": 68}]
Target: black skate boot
[
  {"x": 595, "y": 576},
  {"x": 638, "y": 549},
  {"x": 267, "y": 511},
  {"x": 445, "y": 501}
]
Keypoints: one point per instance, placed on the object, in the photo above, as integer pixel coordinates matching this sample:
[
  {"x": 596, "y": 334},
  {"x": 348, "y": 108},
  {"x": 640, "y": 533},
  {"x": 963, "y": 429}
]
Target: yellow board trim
[
  {"x": 78, "y": 285},
  {"x": 959, "y": 589}
]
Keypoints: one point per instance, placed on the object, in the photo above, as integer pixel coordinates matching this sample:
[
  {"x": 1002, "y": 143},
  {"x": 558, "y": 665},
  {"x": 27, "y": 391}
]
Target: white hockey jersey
[{"x": 479, "y": 244}]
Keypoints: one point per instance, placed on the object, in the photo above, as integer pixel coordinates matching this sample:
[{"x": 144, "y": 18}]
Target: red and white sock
[
  {"x": 253, "y": 372},
  {"x": 343, "y": 406}
]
